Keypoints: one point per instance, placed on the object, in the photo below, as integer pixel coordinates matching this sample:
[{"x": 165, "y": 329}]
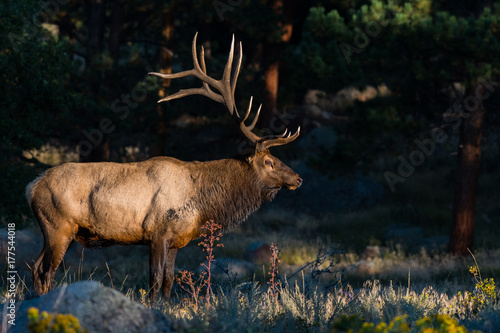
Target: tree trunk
[
  {"x": 115, "y": 30},
  {"x": 469, "y": 160},
  {"x": 166, "y": 56},
  {"x": 95, "y": 45},
  {"x": 272, "y": 62},
  {"x": 96, "y": 18},
  {"x": 271, "y": 77}
]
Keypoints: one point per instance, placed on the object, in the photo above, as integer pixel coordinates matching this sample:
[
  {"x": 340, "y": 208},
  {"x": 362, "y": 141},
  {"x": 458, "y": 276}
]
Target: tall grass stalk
[
  {"x": 211, "y": 235},
  {"x": 273, "y": 272}
]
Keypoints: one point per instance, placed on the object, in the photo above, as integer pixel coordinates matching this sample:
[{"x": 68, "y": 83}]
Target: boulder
[
  {"x": 319, "y": 194},
  {"x": 258, "y": 253},
  {"x": 433, "y": 244},
  {"x": 98, "y": 309},
  {"x": 373, "y": 251},
  {"x": 365, "y": 267},
  {"x": 232, "y": 269},
  {"x": 404, "y": 234},
  {"x": 28, "y": 246},
  {"x": 345, "y": 97},
  {"x": 318, "y": 142}
]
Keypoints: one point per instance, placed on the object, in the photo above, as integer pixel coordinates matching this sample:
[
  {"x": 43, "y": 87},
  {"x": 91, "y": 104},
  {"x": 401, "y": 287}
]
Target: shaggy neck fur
[{"x": 229, "y": 197}]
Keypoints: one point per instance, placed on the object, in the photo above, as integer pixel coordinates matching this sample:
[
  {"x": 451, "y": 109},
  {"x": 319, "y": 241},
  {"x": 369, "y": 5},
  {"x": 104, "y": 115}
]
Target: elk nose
[{"x": 299, "y": 181}]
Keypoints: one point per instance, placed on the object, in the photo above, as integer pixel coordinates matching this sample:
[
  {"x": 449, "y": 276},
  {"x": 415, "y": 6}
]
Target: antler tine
[
  {"x": 205, "y": 90},
  {"x": 273, "y": 137},
  {"x": 226, "y": 76},
  {"x": 249, "y": 109},
  {"x": 237, "y": 69},
  {"x": 227, "y": 91},
  {"x": 268, "y": 143},
  {"x": 204, "y": 69},
  {"x": 247, "y": 130},
  {"x": 226, "y": 86},
  {"x": 193, "y": 91},
  {"x": 254, "y": 122},
  {"x": 198, "y": 72}
]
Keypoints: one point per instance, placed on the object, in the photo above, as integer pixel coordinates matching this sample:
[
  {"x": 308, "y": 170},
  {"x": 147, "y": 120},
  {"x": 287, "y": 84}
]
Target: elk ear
[{"x": 250, "y": 158}]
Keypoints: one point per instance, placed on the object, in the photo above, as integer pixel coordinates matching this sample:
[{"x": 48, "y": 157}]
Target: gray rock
[
  {"x": 404, "y": 234},
  {"x": 312, "y": 110},
  {"x": 318, "y": 142},
  {"x": 373, "y": 251},
  {"x": 258, "y": 253},
  {"x": 98, "y": 308},
  {"x": 365, "y": 267},
  {"x": 433, "y": 244},
  {"x": 28, "y": 246},
  {"x": 224, "y": 269},
  {"x": 318, "y": 194},
  {"x": 345, "y": 97}
]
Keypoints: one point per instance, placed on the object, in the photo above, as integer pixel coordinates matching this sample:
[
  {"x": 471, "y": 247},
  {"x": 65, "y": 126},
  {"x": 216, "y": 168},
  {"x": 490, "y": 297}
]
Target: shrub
[
  {"x": 436, "y": 323},
  {"x": 53, "y": 323}
]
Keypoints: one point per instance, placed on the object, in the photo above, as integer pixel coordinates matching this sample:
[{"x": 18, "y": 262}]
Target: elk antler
[{"x": 226, "y": 87}]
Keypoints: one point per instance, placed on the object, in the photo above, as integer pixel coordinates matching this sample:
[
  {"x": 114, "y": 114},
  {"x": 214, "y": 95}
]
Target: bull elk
[{"x": 161, "y": 202}]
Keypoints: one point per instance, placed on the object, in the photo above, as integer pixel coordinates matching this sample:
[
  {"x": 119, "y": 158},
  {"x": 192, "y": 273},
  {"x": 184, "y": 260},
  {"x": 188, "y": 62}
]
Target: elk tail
[{"x": 30, "y": 188}]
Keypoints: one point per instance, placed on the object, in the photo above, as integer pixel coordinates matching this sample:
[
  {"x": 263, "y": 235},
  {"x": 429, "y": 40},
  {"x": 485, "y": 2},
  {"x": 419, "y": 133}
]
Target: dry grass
[{"x": 397, "y": 281}]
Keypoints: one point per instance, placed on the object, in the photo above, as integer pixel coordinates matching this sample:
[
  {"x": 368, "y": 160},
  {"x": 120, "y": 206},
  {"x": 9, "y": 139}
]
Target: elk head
[{"x": 270, "y": 171}]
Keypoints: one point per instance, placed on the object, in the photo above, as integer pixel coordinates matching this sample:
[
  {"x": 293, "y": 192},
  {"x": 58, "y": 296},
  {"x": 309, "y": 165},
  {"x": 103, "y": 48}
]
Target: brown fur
[{"x": 161, "y": 202}]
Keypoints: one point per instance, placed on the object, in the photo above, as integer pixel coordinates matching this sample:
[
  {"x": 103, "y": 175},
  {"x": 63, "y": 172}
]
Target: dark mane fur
[{"x": 228, "y": 197}]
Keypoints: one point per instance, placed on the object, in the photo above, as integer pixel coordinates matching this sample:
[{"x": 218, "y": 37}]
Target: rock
[
  {"x": 28, "y": 246},
  {"x": 318, "y": 194},
  {"x": 232, "y": 269},
  {"x": 318, "y": 142},
  {"x": 404, "y": 234},
  {"x": 433, "y": 244},
  {"x": 312, "y": 110},
  {"x": 313, "y": 96},
  {"x": 258, "y": 253},
  {"x": 25, "y": 237},
  {"x": 354, "y": 192},
  {"x": 365, "y": 267},
  {"x": 53, "y": 153},
  {"x": 371, "y": 252},
  {"x": 343, "y": 98},
  {"x": 98, "y": 308},
  {"x": 3, "y": 245}
]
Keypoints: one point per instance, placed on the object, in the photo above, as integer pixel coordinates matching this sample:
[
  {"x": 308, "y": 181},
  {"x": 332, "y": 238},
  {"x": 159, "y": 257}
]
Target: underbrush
[
  {"x": 251, "y": 307},
  {"x": 308, "y": 304},
  {"x": 317, "y": 298},
  {"x": 380, "y": 293}
]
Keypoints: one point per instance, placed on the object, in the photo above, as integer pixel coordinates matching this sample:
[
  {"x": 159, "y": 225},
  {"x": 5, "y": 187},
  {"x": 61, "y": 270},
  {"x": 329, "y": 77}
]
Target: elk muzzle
[{"x": 295, "y": 182}]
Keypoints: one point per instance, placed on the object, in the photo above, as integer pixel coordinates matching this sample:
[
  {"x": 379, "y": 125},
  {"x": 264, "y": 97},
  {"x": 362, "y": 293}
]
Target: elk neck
[{"x": 228, "y": 190}]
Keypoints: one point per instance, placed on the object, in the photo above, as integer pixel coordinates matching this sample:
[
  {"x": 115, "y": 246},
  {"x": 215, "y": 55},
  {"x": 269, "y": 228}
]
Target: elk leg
[
  {"x": 158, "y": 251},
  {"x": 168, "y": 273},
  {"x": 37, "y": 272},
  {"x": 56, "y": 243}
]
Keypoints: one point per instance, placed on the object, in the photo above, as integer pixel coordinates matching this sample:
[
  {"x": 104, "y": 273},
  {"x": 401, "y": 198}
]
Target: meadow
[
  {"x": 336, "y": 271},
  {"x": 379, "y": 266}
]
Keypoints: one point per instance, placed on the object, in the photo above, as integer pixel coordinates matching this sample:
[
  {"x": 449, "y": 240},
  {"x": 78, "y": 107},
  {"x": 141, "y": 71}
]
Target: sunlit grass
[{"x": 400, "y": 280}]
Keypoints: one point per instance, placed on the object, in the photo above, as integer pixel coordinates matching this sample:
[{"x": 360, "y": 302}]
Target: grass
[
  {"x": 400, "y": 286},
  {"x": 397, "y": 281},
  {"x": 313, "y": 307}
]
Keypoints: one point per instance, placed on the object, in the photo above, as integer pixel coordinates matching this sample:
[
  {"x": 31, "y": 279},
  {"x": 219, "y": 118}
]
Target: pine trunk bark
[
  {"x": 95, "y": 46},
  {"x": 469, "y": 160},
  {"x": 272, "y": 61},
  {"x": 166, "y": 55}
]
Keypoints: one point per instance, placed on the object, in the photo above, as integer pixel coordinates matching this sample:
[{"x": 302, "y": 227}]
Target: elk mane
[{"x": 228, "y": 198}]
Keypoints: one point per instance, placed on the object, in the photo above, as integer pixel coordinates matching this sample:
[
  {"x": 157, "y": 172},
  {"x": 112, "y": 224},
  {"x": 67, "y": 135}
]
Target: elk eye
[{"x": 269, "y": 163}]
